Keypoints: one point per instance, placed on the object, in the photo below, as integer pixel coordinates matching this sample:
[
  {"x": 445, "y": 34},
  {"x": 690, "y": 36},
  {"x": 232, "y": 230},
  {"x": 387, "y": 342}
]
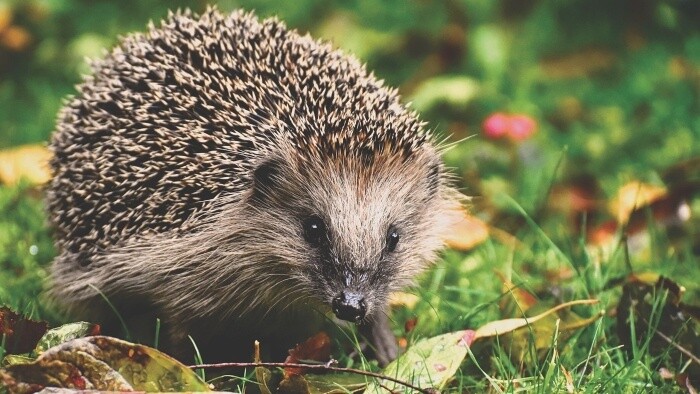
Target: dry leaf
[
  {"x": 400, "y": 298},
  {"x": 104, "y": 363},
  {"x": 15, "y": 38},
  {"x": 28, "y": 162},
  {"x": 578, "y": 64},
  {"x": 675, "y": 325},
  {"x": 467, "y": 233},
  {"x": 316, "y": 348},
  {"x": 632, "y": 196},
  {"x": 522, "y": 298},
  {"x": 500, "y": 327},
  {"x": 569, "y": 381},
  {"x": 5, "y": 16},
  {"x": 19, "y": 333}
]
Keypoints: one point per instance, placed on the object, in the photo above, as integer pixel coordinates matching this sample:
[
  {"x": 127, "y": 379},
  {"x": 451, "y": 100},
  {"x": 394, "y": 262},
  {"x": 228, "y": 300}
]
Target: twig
[
  {"x": 677, "y": 346},
  {"x": 322, "y": 367}
]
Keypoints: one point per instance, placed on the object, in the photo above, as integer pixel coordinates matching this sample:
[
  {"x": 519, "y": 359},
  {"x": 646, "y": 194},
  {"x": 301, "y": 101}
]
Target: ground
[{"x": 561, "y": 119}]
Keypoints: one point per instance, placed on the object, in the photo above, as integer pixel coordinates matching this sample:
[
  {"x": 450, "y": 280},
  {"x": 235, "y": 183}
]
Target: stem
[{"x": 315, "y": 367}]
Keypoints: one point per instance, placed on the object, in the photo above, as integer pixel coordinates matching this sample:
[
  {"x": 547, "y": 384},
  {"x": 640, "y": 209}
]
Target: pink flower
[
  {"x": 517, "y": 127},
  {"x": 521, "y": 127},
  {"x": 496, "y": 125}
]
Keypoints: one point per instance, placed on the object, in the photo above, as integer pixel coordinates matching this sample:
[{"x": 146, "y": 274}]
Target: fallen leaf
[
  {"x": 673, "y": 325},
  {"x": 519, "y": 301},
  {"x": 603, "y": 234},
  {"x": 410, "y": 324},
  {"x": 467, "y": 233},
  {"x": 400, "y": 298},
  {"x": 316, "y": 348},
  {"x": 15, "y": 38},
  {"x": 104, "y": 363},
  {"x": 21, "y": 334},
  {"x": 429, "y": 363},
  {"x": 578, "y": 64},
  {"x": 28, "y": 162},
  {"x": 580, "y": 193},
  {"x": 500, "y": 327},
  {"x": 538, "y": 335},
  {"x": 14, "y": 359},
  {"x": 335, "y": 383},
  {"x": 632, "y": 196},
  {"x": 559, "y": 274},
  {"x": 65, "y": 333},
  {"x": 5, "y": 16}
]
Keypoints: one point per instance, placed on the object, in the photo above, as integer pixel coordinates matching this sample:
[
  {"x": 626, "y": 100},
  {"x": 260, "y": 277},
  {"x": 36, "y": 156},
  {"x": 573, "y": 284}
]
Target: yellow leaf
[
  {"x": 504, "y": 326},
  {"x": 400, "y": 298},
  {"x": 632, "y": 196},
  {"x": 29, "y": 162},
  {"x": 5, "y": 16}
]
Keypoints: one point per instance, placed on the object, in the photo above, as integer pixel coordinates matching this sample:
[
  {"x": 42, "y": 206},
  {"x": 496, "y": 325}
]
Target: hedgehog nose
[{"x": 349, "y": 306}]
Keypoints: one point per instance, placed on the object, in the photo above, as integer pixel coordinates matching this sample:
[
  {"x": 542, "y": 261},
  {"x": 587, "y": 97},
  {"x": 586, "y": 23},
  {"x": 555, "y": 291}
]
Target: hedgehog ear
[{"x": 265, "y": 178}]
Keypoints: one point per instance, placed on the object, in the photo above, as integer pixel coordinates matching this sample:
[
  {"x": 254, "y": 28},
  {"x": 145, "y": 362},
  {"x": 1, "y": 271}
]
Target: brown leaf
[
  {"x": 559, "y": 274},
  {"x": 519, "y": 301},
  {"x": 578, "y": 64},
  {"x": 467, "y": 233},
  {"x": 676, "y": 333},
  {"x": 602, "y": 235},
  {"x": 573, "y": 199},
  {"x": 15, "y": 38},
  {"x": 569, "y": 381},
  {"x": 316, "y": 348},
  {"x": 21, "y": 334},
  {"x": 410, "y": 324},
  {"x": 104, "y": 363}
]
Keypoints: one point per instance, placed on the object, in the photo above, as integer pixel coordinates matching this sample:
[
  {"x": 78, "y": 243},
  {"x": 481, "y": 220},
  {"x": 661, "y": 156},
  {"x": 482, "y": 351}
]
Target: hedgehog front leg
[{"x": 381, "y": 338}]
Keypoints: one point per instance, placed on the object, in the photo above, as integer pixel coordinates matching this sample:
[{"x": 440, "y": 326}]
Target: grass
[
  {"x": 613, "y": 92},
  {"x": 461, "y": 291}
]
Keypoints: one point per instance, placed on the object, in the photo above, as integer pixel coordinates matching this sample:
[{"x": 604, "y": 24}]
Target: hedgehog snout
[{"x": 350, "y": 306}]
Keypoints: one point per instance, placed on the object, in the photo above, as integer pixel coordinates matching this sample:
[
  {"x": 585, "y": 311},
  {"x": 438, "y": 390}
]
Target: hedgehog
[{"x": 239, "y": 181}]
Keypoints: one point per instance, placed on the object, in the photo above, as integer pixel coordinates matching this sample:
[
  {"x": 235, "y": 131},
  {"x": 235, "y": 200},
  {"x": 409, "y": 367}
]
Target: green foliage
[
  {"x": 25, "y": 251},
  {"x": 614, "y": 90}
]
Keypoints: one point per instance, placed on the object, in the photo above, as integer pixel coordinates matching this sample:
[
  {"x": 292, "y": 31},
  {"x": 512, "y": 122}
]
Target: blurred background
[{"x": 567, "y": 114}]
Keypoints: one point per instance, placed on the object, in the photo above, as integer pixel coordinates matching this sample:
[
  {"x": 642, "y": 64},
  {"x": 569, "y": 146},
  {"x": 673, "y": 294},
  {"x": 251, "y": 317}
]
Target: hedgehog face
[{"x": 358, "y": 229}]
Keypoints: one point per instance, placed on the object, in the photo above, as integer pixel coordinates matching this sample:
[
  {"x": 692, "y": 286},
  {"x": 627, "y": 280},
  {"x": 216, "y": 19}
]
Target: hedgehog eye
[
  {"x": 314, "y": 230},
  {"x": 392, "y": 239}
]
